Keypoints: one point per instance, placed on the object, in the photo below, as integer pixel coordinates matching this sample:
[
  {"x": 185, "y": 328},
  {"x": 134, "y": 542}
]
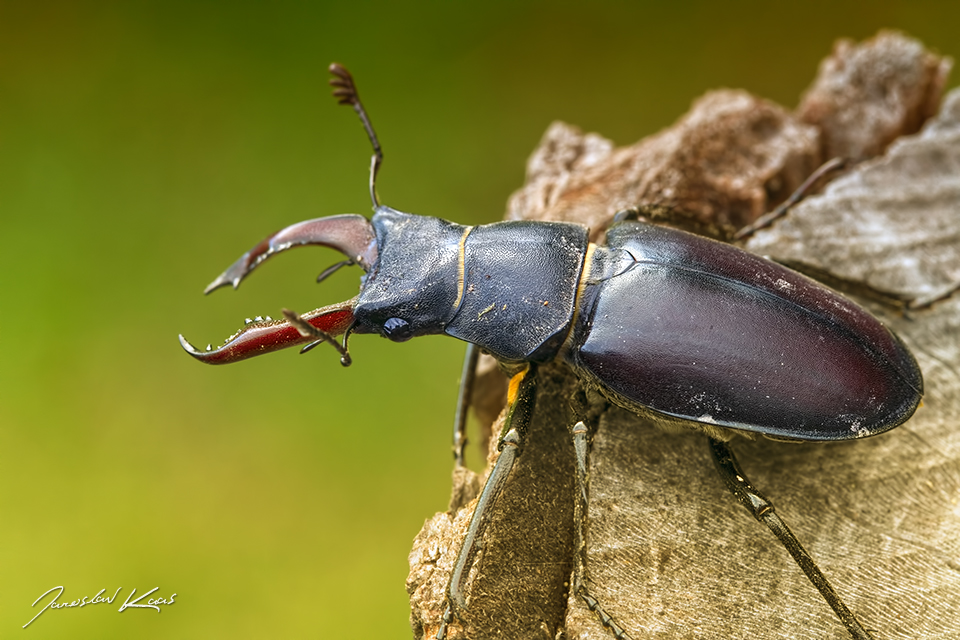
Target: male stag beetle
[{"x": 672, "y": 326}]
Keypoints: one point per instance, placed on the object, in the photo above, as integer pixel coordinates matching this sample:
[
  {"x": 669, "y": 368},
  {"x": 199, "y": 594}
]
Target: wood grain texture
[{"x": 671, "y": 553}]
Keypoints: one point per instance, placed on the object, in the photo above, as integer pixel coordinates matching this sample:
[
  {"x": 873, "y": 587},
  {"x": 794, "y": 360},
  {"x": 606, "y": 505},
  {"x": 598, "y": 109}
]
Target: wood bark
[{"x": 671, "y": 553}]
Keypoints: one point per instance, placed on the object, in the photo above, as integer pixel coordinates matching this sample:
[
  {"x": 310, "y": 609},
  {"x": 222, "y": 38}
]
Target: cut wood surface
[{"x": 671, "y": 552}]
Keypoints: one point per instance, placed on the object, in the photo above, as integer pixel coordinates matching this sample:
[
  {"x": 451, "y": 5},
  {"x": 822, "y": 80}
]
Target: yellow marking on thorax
[
  {"x": 461, "y": 265},
  {"x": 581, "y": 285}
]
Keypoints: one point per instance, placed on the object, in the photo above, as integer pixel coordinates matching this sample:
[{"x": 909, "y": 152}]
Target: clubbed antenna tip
[{"x": 345, "y": 91}]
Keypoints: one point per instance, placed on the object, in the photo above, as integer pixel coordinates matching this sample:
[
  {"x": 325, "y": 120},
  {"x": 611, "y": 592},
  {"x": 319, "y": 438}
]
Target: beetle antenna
[
  {"x": 308, "y": 330},
  {"x": 329, "y": 271},
  {"x": 345, "y": 91}
]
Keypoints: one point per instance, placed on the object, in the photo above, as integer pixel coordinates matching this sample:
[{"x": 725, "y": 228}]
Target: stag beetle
[{"x": 674, "y": 327}]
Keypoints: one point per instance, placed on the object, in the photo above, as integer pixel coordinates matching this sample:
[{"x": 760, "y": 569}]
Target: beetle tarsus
[
  {"x": 522, "y": 397},
  {"x": 762, "y": 509},
  {"x": 444, "y": 621},
  {"x": 581, "y": 447}
]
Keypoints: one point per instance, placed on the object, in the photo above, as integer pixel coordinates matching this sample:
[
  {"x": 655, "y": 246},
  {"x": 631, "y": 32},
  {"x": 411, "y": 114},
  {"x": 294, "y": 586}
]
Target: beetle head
[{"x": 416, "y": 292}]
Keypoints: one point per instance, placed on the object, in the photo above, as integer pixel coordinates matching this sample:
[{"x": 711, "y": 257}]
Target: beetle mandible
[{"x": 677, "y": 328}]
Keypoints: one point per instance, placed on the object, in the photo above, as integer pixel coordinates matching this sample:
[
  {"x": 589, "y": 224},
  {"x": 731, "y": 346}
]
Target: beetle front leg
[
  {"x": 521, "y": 396},
  {"x": 762, "y": 509},
  {"x": 581, "y": 446},
  {"x": 467, "y": 378}
]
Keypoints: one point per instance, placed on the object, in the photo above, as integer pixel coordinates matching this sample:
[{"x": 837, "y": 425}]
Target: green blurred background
[{"x": 145, "y": 145}]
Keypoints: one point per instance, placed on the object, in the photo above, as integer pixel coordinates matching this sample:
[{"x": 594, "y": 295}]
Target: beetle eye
[{"x": 397, "y": 329}]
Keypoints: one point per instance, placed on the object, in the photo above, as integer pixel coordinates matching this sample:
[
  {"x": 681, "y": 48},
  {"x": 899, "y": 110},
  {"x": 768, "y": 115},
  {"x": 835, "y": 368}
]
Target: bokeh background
[{"x": 145, "y": 145}]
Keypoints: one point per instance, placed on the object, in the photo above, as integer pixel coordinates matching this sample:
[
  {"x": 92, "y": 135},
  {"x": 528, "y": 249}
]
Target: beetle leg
[
  {"x": 767, "y": 219},
  {"x": 467, "y": 377},
  {"x": 581, "y": 446},
  {"x": 521, "y": 396},
  {"x": 762, "y": 509}
]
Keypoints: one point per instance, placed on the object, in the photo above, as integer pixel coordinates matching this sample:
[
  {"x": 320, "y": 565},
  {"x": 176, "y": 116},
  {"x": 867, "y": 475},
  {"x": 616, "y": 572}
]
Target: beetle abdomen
[{"x": 701, "y": 331}]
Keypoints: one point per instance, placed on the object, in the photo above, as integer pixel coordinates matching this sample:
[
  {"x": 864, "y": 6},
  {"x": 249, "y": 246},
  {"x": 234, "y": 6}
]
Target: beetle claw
[
  {"x": 266, "y": 336},
  {"x": 189, "y": 348},
  {"x": 349, "y": 234},
  {"x": 227, "y": 277}
]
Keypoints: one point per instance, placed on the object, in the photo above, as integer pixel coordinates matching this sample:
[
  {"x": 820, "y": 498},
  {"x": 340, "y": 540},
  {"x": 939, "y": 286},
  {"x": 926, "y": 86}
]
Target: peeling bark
[
  {"x": 723, "y": 165},
  {"x": 866, "y": 96}
]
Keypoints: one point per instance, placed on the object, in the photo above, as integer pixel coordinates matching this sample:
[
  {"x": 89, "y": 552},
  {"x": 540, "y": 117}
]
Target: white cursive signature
[{"x": 152, "y": 603}]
